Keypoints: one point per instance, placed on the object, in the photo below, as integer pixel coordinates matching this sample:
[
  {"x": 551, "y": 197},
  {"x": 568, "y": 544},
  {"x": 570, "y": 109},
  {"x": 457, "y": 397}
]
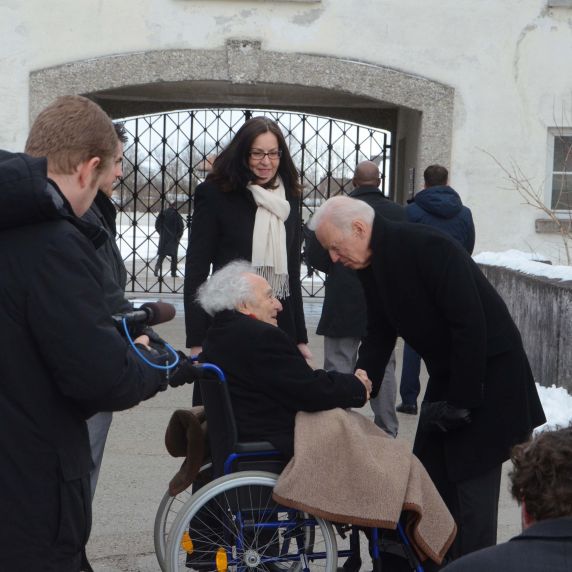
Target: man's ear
[
  {"x": 527, "y": 520},
  {"x": 358, "y": 227},
  {"x": 87, "y": 170}
]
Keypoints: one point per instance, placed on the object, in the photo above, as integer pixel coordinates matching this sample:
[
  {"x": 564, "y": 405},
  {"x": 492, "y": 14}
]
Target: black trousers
[{"x": 473, "y": 503}]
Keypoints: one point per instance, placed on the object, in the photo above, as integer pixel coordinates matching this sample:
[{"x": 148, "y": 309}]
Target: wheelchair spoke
[{"x": 240, "y": 528}]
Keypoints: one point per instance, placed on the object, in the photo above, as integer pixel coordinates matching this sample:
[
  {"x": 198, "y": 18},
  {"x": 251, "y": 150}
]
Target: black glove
[
  {"x": 442, "y": 417},
  {"x": 185, "y": 372}
]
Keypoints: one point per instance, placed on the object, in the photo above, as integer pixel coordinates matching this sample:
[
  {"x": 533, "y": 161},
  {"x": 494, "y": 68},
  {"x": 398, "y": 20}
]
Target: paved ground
[{"x": 136, "y": 469}]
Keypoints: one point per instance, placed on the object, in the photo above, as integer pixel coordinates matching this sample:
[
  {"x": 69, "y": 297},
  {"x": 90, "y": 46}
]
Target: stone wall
[{"x": 542, "y": 310}]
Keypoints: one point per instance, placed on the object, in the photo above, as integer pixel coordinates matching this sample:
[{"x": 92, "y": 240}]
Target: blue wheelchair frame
[{"x": 293, "y": 525}]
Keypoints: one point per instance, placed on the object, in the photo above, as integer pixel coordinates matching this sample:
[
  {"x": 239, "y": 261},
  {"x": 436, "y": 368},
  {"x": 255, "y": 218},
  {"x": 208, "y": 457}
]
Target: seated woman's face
[{"x": 264, "y": 167}]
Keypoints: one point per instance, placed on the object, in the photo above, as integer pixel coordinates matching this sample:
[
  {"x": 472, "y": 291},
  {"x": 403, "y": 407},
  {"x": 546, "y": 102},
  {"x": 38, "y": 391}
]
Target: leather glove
[
  {"x": 185, "y": 372},
  {"x": 442, "y": 417}
]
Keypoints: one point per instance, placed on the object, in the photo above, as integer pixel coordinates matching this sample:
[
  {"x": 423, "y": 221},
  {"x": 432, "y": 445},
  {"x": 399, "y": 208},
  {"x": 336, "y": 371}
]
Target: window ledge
[{"x": 548, "y": 226}]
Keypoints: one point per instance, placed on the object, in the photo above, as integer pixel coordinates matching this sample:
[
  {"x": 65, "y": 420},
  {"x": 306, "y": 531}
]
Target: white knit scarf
[{"x": 269, "y": 254}]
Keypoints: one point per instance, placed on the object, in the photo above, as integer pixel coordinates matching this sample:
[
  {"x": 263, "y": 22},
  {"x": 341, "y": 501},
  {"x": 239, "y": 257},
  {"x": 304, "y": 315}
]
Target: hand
[
  {"x": 185, "y": 372},
  {"x": 144, "y": 341},
  {"x": 362, "y": 376},
  {"x": 306, "y": 353},
  {"x": 442, "y": 417},
  {"x": 195, "y": 351}
]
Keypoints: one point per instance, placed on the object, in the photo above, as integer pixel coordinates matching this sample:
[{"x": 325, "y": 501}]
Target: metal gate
[{"x": 169, "y": 154}]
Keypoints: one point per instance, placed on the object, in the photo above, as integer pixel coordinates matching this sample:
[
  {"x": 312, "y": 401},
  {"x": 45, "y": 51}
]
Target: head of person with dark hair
[
  {"x": 257, "y": 154},
  {"x": 541, "y": 480},
  {"x": 80, "y": 143},
  {"x": 121, "y": 132},
  {"x": 107, "y": 185},
  {"x": 366, "y": 175},
  {"x": 435, "y": 176}
]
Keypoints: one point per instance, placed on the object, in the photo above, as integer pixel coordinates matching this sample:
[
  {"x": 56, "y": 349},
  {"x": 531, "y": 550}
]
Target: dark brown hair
[
  {"x": 542, "y": 474},
  {"x": 435, "y": 176},
  {"x": 70, "y": 131},
  {"x": 230, "y": 169}
]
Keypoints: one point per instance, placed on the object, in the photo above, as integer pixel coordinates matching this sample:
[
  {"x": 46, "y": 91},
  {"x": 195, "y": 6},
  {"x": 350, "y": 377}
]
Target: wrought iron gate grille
[{"x": 168, "y": 155}]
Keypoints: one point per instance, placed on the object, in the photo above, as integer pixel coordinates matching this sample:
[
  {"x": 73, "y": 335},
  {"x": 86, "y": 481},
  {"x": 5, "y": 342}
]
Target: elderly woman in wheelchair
[{"x": 251, "y": 398}]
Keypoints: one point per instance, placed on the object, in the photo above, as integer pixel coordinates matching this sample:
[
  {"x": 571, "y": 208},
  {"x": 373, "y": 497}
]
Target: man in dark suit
[
  {"x": 541, "y": 484},
  {"x": 268, "y": 378},
  {"x": 481, "y": 398},
  {"x": 344, "y": 315}
]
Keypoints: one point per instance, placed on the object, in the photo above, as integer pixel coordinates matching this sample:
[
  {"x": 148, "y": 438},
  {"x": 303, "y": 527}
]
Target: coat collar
[{"x": 550, "y": 528}]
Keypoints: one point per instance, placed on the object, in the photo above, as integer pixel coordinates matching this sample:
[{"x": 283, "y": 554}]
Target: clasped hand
[{"x": 362, "y": 376}]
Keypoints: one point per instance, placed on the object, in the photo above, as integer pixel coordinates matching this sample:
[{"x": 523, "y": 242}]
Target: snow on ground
[{"x": 557, "y": 404}]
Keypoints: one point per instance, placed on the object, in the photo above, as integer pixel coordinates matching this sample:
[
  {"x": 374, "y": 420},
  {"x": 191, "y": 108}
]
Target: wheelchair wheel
[
  {"x": 234, "y": 524},
  {"x": 168, "y": 509}
]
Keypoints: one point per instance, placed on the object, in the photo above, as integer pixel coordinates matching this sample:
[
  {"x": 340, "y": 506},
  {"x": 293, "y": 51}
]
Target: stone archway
[{"x": 418, "y": 111}]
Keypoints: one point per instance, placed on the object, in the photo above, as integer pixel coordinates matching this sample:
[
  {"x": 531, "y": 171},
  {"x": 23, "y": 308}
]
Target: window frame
[{"x": 553, "y": 133}]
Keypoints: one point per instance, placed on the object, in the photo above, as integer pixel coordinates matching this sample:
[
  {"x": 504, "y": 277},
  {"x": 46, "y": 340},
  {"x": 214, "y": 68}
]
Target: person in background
[
  {"x": 344, "y": 314},
  {"x": 102, "y": 214},
  {"x": 437, "y": 205},
  {"x": 541, "y": 483},
  {"x": 249, "y": 208},
  {"x": 170, "y": 226}
]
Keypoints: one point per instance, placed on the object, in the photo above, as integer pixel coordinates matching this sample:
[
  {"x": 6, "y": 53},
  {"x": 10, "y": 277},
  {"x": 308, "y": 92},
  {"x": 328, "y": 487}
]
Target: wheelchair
[{"x": 232, "y": 523}]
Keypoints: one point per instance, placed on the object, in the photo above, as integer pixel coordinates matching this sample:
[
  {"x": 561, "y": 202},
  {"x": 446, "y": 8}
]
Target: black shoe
[{"x": 406, "y": 408}]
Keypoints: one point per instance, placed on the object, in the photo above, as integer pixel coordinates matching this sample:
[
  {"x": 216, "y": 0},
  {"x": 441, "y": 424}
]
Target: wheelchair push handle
[{"x": 190, "y": 371}]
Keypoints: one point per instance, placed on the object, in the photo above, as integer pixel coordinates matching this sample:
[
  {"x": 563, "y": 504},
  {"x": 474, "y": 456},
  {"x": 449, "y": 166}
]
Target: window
[{"x": 560, "y": 160}]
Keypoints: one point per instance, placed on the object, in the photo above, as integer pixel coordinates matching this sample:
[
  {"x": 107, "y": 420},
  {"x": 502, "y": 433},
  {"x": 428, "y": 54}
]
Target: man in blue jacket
[{"x": 439, "y": 206}]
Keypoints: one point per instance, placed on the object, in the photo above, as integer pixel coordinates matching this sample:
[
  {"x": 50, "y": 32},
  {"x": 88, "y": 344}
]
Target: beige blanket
[{"x": 345, "y": 469}]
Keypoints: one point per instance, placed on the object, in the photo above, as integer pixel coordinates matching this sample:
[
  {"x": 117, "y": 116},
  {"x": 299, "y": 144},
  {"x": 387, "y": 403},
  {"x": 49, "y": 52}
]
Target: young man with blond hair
[{"x": 62, "y": 359}]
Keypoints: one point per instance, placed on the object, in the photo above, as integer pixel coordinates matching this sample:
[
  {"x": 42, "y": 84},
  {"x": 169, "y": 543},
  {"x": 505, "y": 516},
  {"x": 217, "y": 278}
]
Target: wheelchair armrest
[{"x": 255, "y": 447}]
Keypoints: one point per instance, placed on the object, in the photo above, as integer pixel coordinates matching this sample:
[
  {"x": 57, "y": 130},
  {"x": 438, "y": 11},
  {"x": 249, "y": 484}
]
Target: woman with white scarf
[{"x": 249, "y": 208}]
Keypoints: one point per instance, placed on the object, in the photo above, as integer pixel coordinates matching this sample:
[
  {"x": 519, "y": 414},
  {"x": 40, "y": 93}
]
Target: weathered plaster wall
[
  {"x": 542, "y": 310},
  {"x": 507, "y": 62}
]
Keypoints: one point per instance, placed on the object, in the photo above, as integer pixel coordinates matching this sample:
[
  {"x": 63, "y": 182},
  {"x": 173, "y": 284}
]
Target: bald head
[{"x": 367, "y": 175}]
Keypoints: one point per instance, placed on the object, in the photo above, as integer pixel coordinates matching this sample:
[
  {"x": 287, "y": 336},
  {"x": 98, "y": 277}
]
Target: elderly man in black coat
[
  {"x": 481, "y": 398},
  {"x": 268, "y": 378}
]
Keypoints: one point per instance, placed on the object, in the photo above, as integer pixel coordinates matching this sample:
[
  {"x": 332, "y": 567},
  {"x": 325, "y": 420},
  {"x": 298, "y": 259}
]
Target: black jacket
[
  {"x": 270, "y": 381},
  {"x": 344, "y": 313},
  {"x": 425, "y": 287},
  {"x": 441, "y": 207},
  {"x": 546, "y": 546},
  {"x": 170, "y": 226},
  {"x": 62, "y": 360},
  {"x": 102, "y": 213},
  {"x": 221, "y": 232}
]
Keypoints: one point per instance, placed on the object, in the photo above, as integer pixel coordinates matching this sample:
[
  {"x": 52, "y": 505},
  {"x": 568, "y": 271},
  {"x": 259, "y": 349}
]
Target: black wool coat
[
  {"x": 270, "y": 381},
  {"x": 344, "y": 313},
  {"x": 102, "y": 213},
  {"x": 170, "y": 226},
  {"x": 423, "y": 286},
  {"x": 61, "y": 361},
  {"x": 221, "y": 232}
]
